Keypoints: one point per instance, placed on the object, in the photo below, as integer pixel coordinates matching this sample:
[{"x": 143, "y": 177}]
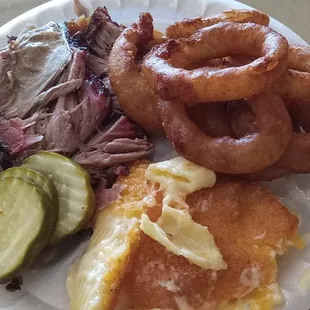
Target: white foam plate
[{"x": 44, "y": 284}]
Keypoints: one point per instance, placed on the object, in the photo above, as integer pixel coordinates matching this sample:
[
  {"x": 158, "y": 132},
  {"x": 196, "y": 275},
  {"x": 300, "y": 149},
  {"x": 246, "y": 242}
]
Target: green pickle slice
[
  {"x": 41, "y": 180},
  {"x": 26, "y": 224},
  {"x": 75, "y": 195}
]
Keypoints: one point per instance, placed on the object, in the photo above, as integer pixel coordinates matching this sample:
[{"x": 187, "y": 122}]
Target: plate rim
[
  {"x": 22, "y": 18},
  {"x": 25, "y": 18}
]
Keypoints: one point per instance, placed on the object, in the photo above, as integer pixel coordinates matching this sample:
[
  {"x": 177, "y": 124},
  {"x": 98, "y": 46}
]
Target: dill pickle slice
[
  {"x": 40, "y": 179},
  {"x": 26, "y": 224},
  {"x": 75, "y": 195}
]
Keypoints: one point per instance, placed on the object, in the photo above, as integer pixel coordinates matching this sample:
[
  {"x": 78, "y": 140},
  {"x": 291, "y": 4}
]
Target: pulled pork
[
  {"x": 115, "y": 146},
  {"x": 13, "y": 138},
  {"x": 56, "y": 95},
  {"x": 101, "y": 35},
  {"x": 29, "y": 66}
]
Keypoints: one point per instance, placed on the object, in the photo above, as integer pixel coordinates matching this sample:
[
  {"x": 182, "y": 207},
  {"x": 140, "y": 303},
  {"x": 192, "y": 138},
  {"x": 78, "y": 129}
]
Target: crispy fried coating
[
  {"x": 227, "y": 154},
  {"x": 295, "y": 82},
  {"x": 295, "y": 159},
  {"x": 248, "y": 223},
  {"x": 136, "y": 97},
  {"x": 166, "y": 66},
  {"x": 94, "y": 279},
  {"x": 188, "y": 26},
  {"x": 300, "y": 112}
]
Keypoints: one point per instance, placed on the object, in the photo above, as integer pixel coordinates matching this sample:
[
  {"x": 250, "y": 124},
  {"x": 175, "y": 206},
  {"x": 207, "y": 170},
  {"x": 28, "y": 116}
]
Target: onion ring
[
  {"x": 243, "y": 122},
  {"x": 296, "y": 156},
  {"x": 211, "y": 118},
  {"x": 295, "y": 82},
  {"x": 188, "y": 26},
  {"x": 233, "y": 119},
  {"x": 300, "y": 112},
  {"x": 133, "y": 92},
  {"x": 228, "y": 155},
  {"x": 214, "y": 120},
  {"x": 268, "y": 174},
  {"x": 166, "y": 65},
  {"x": 239, "y": 60}
]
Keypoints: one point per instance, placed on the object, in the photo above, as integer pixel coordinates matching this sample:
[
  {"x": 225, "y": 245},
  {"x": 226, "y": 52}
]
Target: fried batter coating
[
  {"x": 133, "y": 92},
  {"x": 249, "y": 225},
  {"x": 295, "y": 82},
  {"x": 166, "y": 66},
  {"x": 295, "y": 159},
  {"x": 229, "y": 155},
  {"x": 188, "y": 26}
]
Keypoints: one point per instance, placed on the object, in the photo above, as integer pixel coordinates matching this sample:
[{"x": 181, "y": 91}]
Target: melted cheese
[
  {"x": 93, "y": 281},
  {"x": 101, "y": 267},
  {"x": 170, "y": 286},
  {"x": 251, "y": 277},
  {"x": 179, "y": 234},
  {"x": 180, "y": 176},
  {"x": 175, "y": 229}
]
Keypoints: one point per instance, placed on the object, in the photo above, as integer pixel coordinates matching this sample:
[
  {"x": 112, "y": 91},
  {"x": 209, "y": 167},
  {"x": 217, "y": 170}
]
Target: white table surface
[{"x": 292, "y": 13}]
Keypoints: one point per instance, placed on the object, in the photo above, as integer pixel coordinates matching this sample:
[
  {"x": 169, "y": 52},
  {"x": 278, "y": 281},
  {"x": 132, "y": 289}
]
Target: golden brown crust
[
  {"x": 133, "y": 92},
  {"x": 299, "y": 58},
  {"x": 300, "y": 112},
  {"x": 231, "y": 119},
  {"x": 294, "y": 84},
  {"x": 248, "y": 214},
  {"x": 247, "y": 222},
  {"x": 165, "y": 66},
  {"x": 188, "y": 26},
  {"x": 296, "y": 156},
  {"x": 243, "y": 122},
  {"x": 228, "y": 155},
  {"x": 295, "y": 159}
]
